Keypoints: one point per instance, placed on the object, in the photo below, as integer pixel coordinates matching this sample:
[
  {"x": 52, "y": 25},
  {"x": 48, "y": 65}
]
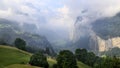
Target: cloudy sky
[{"x": 56, "y": 14}]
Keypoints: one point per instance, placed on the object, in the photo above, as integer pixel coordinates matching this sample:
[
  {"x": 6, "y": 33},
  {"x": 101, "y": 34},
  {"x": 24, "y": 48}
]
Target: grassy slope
[
  {"x": 81, "y": 65},
  {"x": 11, "y": 57},
  {"x": 51, "y": 62},
  {"x": 21, "y": 66}
]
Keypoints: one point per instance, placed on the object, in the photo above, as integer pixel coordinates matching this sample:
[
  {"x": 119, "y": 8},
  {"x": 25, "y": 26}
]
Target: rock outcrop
[{"x": 98, "y": 44}]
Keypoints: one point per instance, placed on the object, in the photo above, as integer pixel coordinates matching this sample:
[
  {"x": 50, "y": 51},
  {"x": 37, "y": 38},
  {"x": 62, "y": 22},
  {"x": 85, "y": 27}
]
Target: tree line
[{"x": 68, "y": 59}]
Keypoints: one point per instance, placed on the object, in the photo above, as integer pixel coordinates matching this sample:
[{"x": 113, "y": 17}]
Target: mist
[{"x": 56, "y": 19}]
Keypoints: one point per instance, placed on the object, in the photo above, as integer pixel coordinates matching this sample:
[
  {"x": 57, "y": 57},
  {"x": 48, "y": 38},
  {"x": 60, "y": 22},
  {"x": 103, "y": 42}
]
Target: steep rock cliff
[{"x": 98, "y": 44}]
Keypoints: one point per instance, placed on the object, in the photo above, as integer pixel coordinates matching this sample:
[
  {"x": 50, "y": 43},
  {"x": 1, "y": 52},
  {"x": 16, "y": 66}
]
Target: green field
[
  {"x": 81, "y": 65},
  {"x": 51, "y": 62},
  {"x": 21, "y": 66},
  {"x": 11, "y": 57}
]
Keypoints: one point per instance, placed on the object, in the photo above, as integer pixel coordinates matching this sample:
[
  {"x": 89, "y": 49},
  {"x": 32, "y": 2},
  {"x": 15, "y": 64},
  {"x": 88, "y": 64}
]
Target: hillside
[
  {"x": 11, "y": 57},
  {"x": 10, "y": 30},
  {"x": 81, "y": 65},
  {"x": 21, "y": 66}
]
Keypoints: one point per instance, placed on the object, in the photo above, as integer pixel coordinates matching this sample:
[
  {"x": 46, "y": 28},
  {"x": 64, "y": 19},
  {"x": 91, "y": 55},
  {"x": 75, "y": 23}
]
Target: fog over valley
[{"x": 61, "y": 22}]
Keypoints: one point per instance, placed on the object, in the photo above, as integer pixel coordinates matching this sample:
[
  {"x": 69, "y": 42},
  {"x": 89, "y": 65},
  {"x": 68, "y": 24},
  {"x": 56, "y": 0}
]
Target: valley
[{"x": 59, "y": 34}]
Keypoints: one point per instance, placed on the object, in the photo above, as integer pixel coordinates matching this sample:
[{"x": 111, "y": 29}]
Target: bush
[
  {"x": 54, "y": 66},
  {"x": 66, "y": 59},
  {"x": 109, "y": 62},
  {"x": 20, "y": 44},
  {"x": 39, "y": 59},
  {"x": 86, "y": 57}
]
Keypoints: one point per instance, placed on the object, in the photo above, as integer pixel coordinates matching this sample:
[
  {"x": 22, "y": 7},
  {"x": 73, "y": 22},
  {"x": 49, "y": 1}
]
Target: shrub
[
  {"x": 66, "y": 59},
  {"x": 20, "y": 44},
  {"x": 39, "y": 59}
]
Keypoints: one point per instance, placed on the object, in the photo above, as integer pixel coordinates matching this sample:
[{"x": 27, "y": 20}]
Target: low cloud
[{"x": 57, "y": 15}]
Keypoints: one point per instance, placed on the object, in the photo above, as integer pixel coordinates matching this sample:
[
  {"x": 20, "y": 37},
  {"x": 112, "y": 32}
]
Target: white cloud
[
  {"x": 56, "y": 14},
  {"x": 99, "y": 6},
  {"x": 6, "y": 13},
  {"x": 63, "y": 10},
  {"x": 27, "y": 9}
]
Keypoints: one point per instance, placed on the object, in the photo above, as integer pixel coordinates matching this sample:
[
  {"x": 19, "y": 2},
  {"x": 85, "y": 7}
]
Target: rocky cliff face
[
  {"x": 105, "y": 45},
  {"x": 107, "y": 31},
  {"x": 103, "y": 34},
  {"x": 116, "y": 42},
  {"x": 98, "y": 44}
]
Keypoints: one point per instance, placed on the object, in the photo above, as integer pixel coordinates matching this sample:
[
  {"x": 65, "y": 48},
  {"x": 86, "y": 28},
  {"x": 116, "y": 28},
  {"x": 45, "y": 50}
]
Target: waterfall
[{"x": 108, "y": 44}]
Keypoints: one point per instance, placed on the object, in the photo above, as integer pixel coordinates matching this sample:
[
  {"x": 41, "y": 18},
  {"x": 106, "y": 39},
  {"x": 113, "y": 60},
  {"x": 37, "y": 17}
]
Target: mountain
[
  {"x": 108, "y": 27},
  {"x": 107, "y": 32},
  {"x": 83, "y": 36},
  {"x": 101, "y": 35},
  {"x": 10, "y": 30}
]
